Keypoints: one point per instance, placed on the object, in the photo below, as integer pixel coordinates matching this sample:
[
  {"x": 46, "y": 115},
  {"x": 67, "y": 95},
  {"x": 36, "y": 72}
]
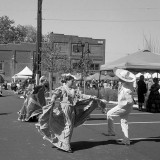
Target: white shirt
[{"x": 125, "y": 95}]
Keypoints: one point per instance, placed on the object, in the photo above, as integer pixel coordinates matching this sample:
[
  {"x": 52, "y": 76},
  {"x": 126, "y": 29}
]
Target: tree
[
  {"x": 31, "y": 33},
  {"x": 52, "y": 59},
  {"x": 6, "y": 30},
  {"x": 9, "y": 33},
  {"x": 20, "y": 33}
]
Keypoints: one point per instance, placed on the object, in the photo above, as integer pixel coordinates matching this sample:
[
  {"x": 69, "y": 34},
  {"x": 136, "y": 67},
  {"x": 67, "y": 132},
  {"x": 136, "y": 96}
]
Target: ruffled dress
[
  {"x": 58, "y": 119},
  {"x": 33, "y": 103}
]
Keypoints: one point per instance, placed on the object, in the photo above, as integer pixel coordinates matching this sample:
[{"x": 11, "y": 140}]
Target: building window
[
  {"x": 94, "y": 67},
  {"x": 75, "y": 65},
  {"x": 76, "y": 48},
  {"x": 63, "y": 47},
  {"x": 96, "y": 50}
]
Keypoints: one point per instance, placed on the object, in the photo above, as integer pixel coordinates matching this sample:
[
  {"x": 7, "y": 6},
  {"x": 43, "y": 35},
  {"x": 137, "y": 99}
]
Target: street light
[{"x": 85, "y": 61}]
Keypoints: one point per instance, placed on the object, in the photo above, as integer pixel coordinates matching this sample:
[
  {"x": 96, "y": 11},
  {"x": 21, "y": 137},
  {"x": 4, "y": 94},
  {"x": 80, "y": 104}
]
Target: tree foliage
[
  {"x": 53, "y": 60},
  {"x": 6, "y": 30},
  {"x": 31, "y": 33},
  {"x": 10, "y": 33}
]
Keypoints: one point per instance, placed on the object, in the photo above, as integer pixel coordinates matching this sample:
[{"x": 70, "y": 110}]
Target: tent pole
[{"x": 37, "y": 79}]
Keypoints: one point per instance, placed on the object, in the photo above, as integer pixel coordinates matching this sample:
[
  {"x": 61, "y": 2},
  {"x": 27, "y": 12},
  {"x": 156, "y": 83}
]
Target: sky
[{"x": 122, "y": 23}]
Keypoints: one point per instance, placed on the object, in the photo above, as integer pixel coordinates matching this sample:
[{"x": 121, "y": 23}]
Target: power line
[
  {"x": 102, "y": 10},
  {"x": 69, "y": 9},
  {"x": 98, "y": 20}
]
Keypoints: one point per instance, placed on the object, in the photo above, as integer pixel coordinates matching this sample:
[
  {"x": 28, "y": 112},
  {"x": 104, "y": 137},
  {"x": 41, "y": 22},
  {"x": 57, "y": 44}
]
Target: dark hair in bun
[
  {"x": 62, "y": 81},
  {"x": 67, "y": 78}
]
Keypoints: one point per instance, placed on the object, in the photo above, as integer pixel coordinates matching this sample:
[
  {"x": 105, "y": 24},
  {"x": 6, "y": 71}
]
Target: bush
[
  {"x": 109, "y": 94},
  {"x": 91, "y": 91}
]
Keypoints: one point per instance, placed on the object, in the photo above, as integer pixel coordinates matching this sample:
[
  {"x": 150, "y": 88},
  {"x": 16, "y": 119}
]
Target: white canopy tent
[
  {"x": 21, "y": 77},
  {"x": 148, "y": 75},
  {"x": 138, "y": 75},
  {"x": 142, "y": 61},
  {"x": 24, "y": 74},
  {"x": 157, "y": 75}
]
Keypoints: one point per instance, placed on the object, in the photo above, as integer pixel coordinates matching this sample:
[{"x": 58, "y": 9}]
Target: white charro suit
[{"x": 123, "y": 109}]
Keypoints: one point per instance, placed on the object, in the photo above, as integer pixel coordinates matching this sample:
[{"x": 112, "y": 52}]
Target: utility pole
[{"x": 39, "y": 41}]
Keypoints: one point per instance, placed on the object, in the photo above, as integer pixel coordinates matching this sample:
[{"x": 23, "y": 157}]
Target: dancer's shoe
[
  {"x": 124, "y": 142},
  {"x": 68, "y": 151}
]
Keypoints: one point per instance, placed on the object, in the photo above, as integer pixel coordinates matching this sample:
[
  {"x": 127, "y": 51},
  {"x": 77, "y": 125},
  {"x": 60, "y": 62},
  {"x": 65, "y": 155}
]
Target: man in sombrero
[{"x": 125, "y": 103}]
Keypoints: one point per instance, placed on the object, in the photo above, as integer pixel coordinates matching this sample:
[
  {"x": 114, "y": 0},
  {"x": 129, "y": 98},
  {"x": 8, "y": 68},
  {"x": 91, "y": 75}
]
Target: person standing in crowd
[
  {"x": 154, "y": 96},
  {"x": 148, "y": 84},
  {"x": 14, "y": 86},
  {"x": 68, "y": 109},
  {"x": 125, "y": 103},
  {"x": 141, "y": 91}
]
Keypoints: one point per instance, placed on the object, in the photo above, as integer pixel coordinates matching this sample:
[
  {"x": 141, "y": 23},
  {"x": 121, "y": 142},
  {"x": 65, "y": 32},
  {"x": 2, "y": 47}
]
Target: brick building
[{"x": 14, "y": 57}]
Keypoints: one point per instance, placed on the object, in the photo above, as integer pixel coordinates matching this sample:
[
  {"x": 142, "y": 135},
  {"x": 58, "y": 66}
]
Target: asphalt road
[{"x": 21, "y": 140}]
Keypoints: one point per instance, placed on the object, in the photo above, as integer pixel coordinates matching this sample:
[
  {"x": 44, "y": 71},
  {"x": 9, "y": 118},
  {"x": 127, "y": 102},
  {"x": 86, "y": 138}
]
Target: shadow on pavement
[
  {"x": 32, "y": 120},
  {"x": 155, "y": 139},
  {"x": 81, "y": 145},
  {"x": 89, "y": 119},
  {"x": 1, "y": 114},
  {"x": 6, "y": 95}
]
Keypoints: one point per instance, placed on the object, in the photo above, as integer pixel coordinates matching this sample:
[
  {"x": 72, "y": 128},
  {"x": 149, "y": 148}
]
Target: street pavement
[{"x": 21, "y": 140}]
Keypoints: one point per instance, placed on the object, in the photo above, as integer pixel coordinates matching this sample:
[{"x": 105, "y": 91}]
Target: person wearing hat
[
  {"x": 125, "y": 103},
  {"x": 42, "y": 80}
]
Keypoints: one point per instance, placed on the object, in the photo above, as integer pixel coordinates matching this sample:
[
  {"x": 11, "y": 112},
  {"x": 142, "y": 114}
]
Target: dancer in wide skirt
[
  {"x": 68, "y": 109},
  {"x": 34, "y": 101}
]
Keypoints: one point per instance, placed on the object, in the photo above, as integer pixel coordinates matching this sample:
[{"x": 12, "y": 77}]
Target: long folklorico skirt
[
  {"x": 32, "y": 106},
  {"x": 56, "y": 123}
]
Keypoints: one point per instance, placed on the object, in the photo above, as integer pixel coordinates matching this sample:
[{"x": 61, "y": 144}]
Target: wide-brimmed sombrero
[{"x": 124, "y": 75}]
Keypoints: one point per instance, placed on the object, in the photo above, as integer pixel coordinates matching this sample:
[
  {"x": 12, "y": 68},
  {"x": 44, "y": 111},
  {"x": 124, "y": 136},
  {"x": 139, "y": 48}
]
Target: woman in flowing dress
[
  {"x": 34, "y": 101},
  {"x": 68, "y": 109}
]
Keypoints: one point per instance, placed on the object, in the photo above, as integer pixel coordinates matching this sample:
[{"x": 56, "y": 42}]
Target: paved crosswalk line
[
  {"x": 130, "y": 114},
  {"x": 98, "y": 124}
]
